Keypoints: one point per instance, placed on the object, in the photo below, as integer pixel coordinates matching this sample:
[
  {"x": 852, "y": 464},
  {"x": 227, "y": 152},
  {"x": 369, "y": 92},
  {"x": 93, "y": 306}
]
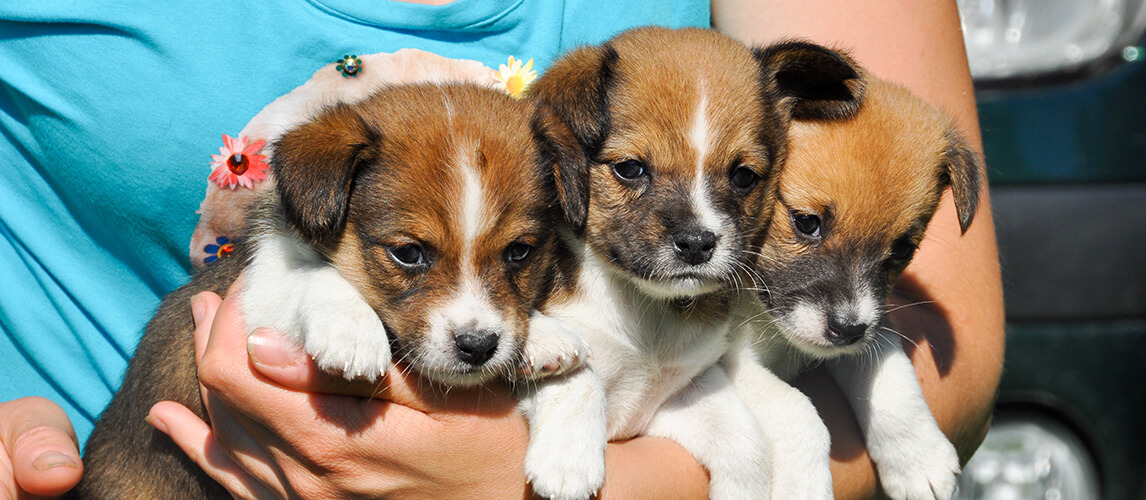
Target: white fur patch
[
  {"x": 798, "y": 441},
  {"x": 865, "y": 309},
  {"x": 701, "y": 135},
  {"x": 471, "y": 308},
  {"x": 913, "y": 456},
  {"x": 472, "y": 216},
  {"x": 808, "y": 322},
  {"x": 291, "y": 288}
]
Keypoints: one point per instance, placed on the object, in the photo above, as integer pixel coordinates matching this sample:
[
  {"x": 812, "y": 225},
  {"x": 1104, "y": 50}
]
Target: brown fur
[
  {"x": 355, "y": 181},
  {"x": 420, "y": 192},
  {"x": 874, "y": 181},
  {"x": 635, "y": 99}
]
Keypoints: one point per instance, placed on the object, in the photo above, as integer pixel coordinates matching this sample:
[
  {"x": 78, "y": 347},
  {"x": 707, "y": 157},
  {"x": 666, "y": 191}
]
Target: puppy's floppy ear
[
  {"x": 314, "y": 167},
  {"x": 962, "y": 170},
  {"x": 811, "y": 81},
  {"x": 572, "y": 120}
]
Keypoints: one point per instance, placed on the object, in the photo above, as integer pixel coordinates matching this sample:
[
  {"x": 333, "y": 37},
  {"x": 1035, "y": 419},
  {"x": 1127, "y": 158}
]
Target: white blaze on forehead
[
  {"x": 701, "y": 138},
  {"x": 470, "y": 304},
  {"x": 471, "y": 216}
]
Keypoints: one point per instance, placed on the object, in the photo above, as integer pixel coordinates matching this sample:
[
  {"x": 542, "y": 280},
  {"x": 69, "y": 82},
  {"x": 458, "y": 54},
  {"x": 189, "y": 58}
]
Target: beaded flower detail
[
  {"x": 349, "y": 65},
  {"x": 219, "y": 250},
  {"x": 238, "y": 163},
  {"x": 516, "y": 76}
]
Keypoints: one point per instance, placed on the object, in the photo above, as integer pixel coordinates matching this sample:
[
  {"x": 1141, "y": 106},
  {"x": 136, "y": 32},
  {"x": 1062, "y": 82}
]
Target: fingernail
[
  {"x": 198, "y": 308},
  {"x": 270, "y": 349},
  {"x": 156, "y": 423},
  {"x": 53, "y": 459}
]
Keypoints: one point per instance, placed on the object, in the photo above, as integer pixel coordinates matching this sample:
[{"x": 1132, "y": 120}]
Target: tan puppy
[
  {"x": 854, "y": 202},
  {"x": 442, "y": 223},
  {"x": 668, "y": 144}
]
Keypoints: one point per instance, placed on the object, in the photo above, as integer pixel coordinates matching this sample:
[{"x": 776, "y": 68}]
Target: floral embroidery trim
[
  {"x": 219, "y": 250},
  {"x": 237, "y": 163},
  {"x": 516, "y": 76},
  {"x": 349, "y": 65}
]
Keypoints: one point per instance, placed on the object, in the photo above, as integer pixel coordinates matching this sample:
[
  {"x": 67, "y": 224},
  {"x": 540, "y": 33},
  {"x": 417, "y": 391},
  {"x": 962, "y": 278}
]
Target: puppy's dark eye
[
  {"x": 629, "y": 169},
  {"x": 411, "y": 256},
  {"x": 743, "y": 178},
  {"x": 806, "y": 224},
  {"x": 517, "y": 252},
  {"x": 902, "y": 250}
]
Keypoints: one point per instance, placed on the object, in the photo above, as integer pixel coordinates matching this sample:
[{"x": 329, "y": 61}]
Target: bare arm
[{"x": 959, "y": 332}]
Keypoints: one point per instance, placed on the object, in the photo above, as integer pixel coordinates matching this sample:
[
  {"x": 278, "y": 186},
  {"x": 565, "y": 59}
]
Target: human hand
[
  {"x": 40, "y": 455},
  {"x": 326, "y": 437}
]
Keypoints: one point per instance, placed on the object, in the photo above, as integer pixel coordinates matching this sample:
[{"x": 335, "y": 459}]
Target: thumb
[{"x": 39, "y": 439}]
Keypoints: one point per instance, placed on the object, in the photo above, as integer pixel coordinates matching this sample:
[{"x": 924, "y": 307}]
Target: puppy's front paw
[
  {"x": 561, "y": 468},
  {"x": 927, "y": 470},
  {"x": 551, "y": 348},
  {"x": 347, "y": 339}
]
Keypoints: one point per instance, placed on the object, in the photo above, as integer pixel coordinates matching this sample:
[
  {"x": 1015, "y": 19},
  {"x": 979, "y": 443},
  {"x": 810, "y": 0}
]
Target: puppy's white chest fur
[{"x": 645, "y": 350}]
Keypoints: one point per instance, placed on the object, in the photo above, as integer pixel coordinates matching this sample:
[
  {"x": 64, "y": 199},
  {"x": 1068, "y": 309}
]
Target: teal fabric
[{"x": 110, "y": 111}]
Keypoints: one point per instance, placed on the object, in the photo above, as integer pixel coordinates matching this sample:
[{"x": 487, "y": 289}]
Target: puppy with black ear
[
  {"x": 404, "y": 220},
  {"x": 854, "y": 202},
  {"x": 668, "y": 145}
]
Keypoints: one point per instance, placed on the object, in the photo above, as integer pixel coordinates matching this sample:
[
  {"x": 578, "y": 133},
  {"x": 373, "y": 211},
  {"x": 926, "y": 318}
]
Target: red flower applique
[{"x": 238, "y": 164}]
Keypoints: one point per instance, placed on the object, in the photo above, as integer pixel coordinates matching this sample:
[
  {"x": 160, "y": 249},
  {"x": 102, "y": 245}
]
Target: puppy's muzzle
[
  {"x": 475, "y": 346},
  {"x": 843, "y": 334},
  {"x": 694, "y": 245}
]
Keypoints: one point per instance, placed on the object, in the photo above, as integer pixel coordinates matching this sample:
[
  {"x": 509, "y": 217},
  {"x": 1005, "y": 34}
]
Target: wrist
[{"x": 647, "y": 467}]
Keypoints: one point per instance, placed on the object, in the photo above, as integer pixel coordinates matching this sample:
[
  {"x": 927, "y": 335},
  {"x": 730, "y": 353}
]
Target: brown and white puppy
[
  {"x": 668, "y": 144},
  {"x": 442, "y": 224},
  {"x": 854, "y": 202}
]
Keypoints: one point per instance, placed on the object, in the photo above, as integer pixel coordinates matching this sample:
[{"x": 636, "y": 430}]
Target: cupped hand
[
  {"x": 324, "y": 437},
  {"x": 40, "y": 456}
]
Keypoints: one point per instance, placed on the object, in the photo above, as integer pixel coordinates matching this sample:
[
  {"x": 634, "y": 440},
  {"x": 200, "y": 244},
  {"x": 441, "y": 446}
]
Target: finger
[
  {"x": 204, "y": 307},
  {"x": 222, "y": 359},
  {"x": 284, "y": 362},
  {"x": 197, "y": 440},
  {"x": 218, "y": 325},
  {"x": 42, "y": 446}
]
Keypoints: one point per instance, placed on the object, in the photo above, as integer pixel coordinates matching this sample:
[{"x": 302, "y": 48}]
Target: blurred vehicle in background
[{"x": 1061, "y": 87}]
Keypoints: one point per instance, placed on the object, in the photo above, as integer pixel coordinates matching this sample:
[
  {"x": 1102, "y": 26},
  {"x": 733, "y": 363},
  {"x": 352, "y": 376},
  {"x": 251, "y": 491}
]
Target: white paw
[
  {"x": 559, "y": 467},
  {"x": 928, "y": 474},
  {"x": 291, "y": 288},
  {"x": 804, "y": 467},
  {"x": 347, "y": 339},
  {"x": 551, "y": 348}
]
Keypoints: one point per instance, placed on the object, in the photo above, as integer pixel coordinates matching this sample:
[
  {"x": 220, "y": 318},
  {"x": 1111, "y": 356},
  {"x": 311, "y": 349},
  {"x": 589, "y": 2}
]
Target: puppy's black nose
[
  {"x": 475, "y": 346},
  {"x": 694, "y": 245},
  {"x": 843, "y": 335}
]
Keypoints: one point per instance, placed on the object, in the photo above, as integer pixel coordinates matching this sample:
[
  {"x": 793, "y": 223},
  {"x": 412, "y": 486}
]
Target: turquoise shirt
[{"x": 109, "y": 112}]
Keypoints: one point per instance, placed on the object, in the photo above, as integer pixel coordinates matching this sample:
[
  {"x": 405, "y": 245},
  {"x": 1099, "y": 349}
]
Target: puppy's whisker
[
  {"x": 889, "y": 309},
  {"x": 902, "y": 336}
]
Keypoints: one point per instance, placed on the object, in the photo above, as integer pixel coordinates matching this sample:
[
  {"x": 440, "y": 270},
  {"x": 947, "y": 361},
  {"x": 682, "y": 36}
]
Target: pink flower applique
[{"x": 238, "y": 164}]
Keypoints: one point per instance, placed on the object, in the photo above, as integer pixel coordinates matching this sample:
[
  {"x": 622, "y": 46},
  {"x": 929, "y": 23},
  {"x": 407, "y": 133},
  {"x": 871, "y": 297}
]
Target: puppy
[
  {"x": 404, "y": 220},
  {"x": 854, "y": 201},
  {"x": 668, "y": 143}
]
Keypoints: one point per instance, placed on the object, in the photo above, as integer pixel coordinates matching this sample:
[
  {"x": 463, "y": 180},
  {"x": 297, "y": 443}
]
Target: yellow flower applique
[{"x": 516, "y": 77}]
